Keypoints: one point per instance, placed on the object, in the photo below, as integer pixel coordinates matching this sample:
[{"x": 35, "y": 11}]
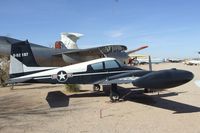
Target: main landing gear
[
  {"x": 96, "y": 87},
  {"x": 147, "y": 90},
  {"x": 114, "y": 93}
]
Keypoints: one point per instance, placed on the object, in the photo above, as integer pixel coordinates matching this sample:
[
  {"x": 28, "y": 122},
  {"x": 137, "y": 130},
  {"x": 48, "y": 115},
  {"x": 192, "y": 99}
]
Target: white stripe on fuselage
[
  {"x": 86, "y": 74},
  {"x": 76, "y": 68},
  {"x": 80, "y": 67},
  {"x": 111, "y": 72}
]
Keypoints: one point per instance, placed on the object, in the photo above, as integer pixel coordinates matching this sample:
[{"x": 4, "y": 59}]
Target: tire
[
  {"x": 114, "y": 97},
  {"x": 147, "y": 90},
  {"x": 96, "y": 87}
]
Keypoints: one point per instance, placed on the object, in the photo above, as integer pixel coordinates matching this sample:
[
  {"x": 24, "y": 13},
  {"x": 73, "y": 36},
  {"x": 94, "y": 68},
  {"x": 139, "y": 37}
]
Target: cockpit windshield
[
  {"x": 97, "y": 66},
  {"x": 111, "y": 64}
]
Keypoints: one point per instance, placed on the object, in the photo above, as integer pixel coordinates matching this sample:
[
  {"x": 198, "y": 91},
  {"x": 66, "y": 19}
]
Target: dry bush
[
  {"x": 72, "y": 87},
  {"x": 4, "y": 71}
]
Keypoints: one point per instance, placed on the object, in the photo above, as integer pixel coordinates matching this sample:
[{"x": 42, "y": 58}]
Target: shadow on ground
[
  {"x": 155, "y": 100},
  {"x": 57, "y": 99},
  {"x": 16, "y": 104}
]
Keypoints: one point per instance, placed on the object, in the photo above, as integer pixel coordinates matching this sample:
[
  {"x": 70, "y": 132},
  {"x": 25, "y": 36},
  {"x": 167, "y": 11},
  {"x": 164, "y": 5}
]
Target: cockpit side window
[
  {"x": 97, "y": 66},
  {"x": 120, "y": 63},
  {"x": 111, "y": 64}
]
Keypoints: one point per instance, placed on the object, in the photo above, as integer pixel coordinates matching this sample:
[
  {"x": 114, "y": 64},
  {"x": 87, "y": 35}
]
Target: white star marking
[{"x": 62, "y": 76}]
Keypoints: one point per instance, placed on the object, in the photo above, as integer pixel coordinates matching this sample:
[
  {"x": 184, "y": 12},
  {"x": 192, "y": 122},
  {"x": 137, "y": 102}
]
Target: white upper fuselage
[{"x": 80, "y": 67}]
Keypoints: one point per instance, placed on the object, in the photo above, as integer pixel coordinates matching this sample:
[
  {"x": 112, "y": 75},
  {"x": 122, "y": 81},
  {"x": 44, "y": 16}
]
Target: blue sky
[{"x": 171, "y": 28}]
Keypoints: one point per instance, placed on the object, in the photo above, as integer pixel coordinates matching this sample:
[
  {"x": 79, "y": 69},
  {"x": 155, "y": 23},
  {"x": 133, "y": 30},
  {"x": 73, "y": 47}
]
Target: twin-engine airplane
[
  {"x": 106, "y": 71},
  {"x": 66, "y": 51}
]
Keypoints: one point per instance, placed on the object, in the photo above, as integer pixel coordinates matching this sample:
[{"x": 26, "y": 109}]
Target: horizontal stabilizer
[{"x": 19, "y": 80}]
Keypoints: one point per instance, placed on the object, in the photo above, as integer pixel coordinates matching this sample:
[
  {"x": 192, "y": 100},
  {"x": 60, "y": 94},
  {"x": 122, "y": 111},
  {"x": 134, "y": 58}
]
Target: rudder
[
  {"x": 21, "y": 56},
  {"x": 22, "y": 52}
]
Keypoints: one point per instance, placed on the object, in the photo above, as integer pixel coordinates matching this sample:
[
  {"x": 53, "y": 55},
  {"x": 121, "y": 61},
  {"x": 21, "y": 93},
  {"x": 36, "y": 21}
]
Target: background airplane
[
  {"x": 192, "y": 62},
  {"x": 136, "y": 59},
  {"x": 174, "y": 60},
  {"x": 24, "y": 69},
  {"x": 66, "y": 51}
]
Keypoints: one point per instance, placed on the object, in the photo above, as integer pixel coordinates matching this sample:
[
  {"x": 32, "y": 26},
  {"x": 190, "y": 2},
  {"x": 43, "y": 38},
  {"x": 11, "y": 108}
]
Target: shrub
[
  {"x": 4, "y": 71},
  {"x": 72, "y": 87}
]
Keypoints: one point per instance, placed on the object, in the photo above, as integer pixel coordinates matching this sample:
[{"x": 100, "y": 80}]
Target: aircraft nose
[{"x": 182, "y": 76}]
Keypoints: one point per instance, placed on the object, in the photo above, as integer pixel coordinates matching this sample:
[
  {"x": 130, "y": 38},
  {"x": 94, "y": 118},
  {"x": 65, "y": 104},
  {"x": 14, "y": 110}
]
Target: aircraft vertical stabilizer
[
  {"x": 70, "y": 39},
  {"x": 22, "y": 60},
  {"x": 21, "y": 54}
]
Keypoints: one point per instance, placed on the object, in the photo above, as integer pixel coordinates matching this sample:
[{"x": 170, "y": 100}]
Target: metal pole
[{"x": 150, "y": 63}]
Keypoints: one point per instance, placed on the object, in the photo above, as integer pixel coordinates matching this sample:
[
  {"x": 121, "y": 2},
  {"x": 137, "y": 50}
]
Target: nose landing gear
[{"x": 114, "y": 93}]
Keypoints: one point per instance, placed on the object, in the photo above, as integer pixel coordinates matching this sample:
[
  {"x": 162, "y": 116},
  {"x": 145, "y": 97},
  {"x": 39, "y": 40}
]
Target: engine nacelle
[{"x": 163, "y": 79}]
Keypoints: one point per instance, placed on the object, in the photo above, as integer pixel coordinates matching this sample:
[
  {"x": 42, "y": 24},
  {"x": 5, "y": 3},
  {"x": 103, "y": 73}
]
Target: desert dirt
[{"x": 46, "y": 108}]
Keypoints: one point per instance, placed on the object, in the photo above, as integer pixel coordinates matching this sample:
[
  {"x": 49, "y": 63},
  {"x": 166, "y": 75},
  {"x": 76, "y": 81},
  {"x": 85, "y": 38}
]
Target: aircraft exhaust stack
[{"x": 70, "y": 39}]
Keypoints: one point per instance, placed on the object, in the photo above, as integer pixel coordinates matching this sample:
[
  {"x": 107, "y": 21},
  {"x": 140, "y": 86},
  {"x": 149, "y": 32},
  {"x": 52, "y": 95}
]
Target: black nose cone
[
  {"x": 182, "y": 76},
  {"x": 164, "y": 79}
]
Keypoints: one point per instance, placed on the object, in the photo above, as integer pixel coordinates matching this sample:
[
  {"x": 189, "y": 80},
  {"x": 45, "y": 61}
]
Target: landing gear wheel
[
  {"x": 147, "y": 90},
  {"x": 114, "y": 97},
  {"x": 114, "y": 94},
  {"x": 96, "y": 87}
]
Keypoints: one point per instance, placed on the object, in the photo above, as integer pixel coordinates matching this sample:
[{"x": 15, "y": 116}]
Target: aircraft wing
[
  {"x": 97, "y": 51},
  {"x": 126, "y": 80},
  {"x": 123, "y": 78},
  {"x": 138, "y": 49}
]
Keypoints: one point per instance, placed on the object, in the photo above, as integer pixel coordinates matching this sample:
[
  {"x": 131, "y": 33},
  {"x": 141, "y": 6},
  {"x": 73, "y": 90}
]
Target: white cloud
[{"x": 115, "y": 34}]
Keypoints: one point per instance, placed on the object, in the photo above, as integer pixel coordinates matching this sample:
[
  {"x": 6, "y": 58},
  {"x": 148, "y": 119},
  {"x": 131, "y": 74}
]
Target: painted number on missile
[{"x": 20, "y": 54}]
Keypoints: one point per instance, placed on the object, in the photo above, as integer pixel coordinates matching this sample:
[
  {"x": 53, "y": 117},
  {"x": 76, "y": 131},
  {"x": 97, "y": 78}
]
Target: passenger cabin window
[
  {"x": 97, "y": 66},
  {"x": 111, "y": 64}
]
